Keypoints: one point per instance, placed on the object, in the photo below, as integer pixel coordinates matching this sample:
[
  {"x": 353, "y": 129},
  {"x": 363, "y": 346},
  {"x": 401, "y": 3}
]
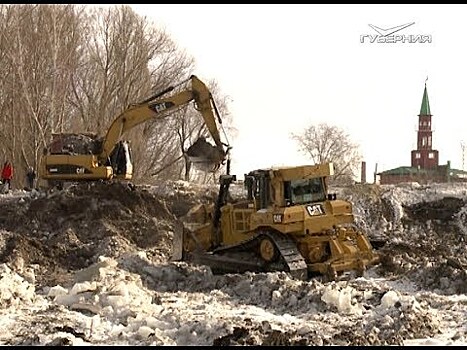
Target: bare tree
[
  {"x": 114, "y": 66},
  {"x": 38, "y": 44},
  {"x": 327, "y": 143},
  {"x": 70, "y": 68},
  {"x": 127, "y": 58}
]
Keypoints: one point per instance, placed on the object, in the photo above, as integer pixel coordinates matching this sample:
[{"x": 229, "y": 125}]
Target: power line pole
[{"x": 463, "y": 153}]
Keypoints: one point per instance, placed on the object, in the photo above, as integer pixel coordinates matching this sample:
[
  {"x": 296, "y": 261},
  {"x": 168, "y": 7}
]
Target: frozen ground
[{"x": 91, "y": 267}]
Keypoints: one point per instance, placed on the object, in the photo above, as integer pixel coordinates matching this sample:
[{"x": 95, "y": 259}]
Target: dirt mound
[
  {"x": 443, "y": 210},
  {"x": 68, "y": 230},
  {"x": 430, "y": 248}
]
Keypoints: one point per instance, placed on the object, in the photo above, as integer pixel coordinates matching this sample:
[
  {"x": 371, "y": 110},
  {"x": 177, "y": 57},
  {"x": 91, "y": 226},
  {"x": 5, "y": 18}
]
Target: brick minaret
[{"x": 424, "y": 157}]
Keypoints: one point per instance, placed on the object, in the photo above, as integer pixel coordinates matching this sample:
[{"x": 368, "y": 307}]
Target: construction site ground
[{"x": 58, "y": 233}]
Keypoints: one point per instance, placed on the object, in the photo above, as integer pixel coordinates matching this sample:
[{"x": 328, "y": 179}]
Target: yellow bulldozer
[{"x": 287, "y": 221}]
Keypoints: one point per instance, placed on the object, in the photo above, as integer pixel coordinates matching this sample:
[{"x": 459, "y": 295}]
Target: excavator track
[{"x": 242, "y": 257}]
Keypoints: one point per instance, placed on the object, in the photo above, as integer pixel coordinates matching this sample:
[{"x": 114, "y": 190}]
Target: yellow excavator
[
  {"x": 87, "y": 157},
  {"x": 287, "y": 221}
]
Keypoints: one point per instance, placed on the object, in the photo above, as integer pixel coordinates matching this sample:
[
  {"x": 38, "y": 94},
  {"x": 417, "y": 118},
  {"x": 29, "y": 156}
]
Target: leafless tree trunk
[{"x": 327, "y": 143}]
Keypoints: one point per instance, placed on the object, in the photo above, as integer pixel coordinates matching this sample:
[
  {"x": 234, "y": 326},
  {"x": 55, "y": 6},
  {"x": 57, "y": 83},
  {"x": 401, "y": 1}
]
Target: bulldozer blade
[
  {"x": 205, "y": 156},
  {"x": 177, "y": 243}
]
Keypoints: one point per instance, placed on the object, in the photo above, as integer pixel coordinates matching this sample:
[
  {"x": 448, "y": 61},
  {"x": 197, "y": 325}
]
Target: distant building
[{"x": 424, "y": 166}]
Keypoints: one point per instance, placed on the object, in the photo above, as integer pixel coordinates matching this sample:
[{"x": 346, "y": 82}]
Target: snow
[
  {"x": 127, "y": 312},
  {"x": 132, "y": 300}
]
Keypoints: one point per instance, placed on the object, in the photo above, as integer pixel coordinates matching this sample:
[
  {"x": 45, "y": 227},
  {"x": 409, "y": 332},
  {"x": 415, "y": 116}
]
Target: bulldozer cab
[
  {"x": 304, "y": 191},
  {"x": 287, "y": 187},
  {"x": 258, "y": 186}
]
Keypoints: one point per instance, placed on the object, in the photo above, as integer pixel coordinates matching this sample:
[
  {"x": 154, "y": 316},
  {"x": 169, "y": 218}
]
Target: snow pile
[
  {"x": 424, "y": 229},
  {"x": 132, "y": 301},
  {"x": 342, "y": 299},
  {"x": 14, "y": 289},
  {"x": 461, "y": 220}
]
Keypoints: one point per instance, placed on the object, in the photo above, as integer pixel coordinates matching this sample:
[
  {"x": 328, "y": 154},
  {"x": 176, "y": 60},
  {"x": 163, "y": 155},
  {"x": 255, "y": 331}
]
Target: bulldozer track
[
  {"x": 240, "y": 258},
  {"x": 290, "y": 255}
]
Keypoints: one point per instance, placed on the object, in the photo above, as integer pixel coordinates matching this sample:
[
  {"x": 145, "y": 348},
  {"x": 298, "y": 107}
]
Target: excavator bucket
[{"x": 205, "y": 156}]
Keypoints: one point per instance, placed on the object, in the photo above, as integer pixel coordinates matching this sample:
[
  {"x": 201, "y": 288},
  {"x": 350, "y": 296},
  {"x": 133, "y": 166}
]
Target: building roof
[
  {"x": 408, "y": 170},
  {"x": 405, "y": 170},
  {"x": 458, "y": 173},
  {"x": 425, "y": 108}
]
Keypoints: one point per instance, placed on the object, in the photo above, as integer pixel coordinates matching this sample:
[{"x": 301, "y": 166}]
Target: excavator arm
[{"x": 156, "y": 107}]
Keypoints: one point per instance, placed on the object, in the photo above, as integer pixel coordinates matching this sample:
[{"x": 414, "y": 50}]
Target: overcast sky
[{"x": 287, "y": 67}]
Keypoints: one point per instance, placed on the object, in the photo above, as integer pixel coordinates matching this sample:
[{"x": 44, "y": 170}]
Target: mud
[{"x": 64, "y": 231}]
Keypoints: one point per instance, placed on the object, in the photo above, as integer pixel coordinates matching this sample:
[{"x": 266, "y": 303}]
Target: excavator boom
[{"x": 159, "y": 108}]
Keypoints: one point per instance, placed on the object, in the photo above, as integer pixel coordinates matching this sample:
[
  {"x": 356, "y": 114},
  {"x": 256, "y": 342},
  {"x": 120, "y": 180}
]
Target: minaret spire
[{"x": 425, "y": 108}]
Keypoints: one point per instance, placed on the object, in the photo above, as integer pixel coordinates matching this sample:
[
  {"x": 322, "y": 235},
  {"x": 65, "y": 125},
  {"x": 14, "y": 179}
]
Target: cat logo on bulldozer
[{"x": 277, "y": 218}]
